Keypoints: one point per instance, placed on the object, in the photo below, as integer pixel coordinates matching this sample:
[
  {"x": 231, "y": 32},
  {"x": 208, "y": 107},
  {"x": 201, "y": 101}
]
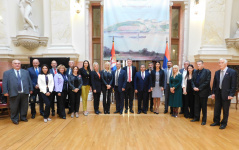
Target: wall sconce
[{"x": 77, "y": 6}]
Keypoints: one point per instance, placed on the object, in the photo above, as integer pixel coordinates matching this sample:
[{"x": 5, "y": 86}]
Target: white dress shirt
[
  {"x": 169, "y": 70},
  {"x": 128, "y": 73},
  {"x": 183, "y": 75}
]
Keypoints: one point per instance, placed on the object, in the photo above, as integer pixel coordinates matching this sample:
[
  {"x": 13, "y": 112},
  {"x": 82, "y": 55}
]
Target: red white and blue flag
[
  {"x": 166, "y": 57},
  {"x": 113, "y": 57}
]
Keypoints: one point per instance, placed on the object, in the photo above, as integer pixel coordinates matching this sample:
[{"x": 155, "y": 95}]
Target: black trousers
[
  {"x": 61, "y": 100},
  {"x": 19, "y": 106},
  {"x": 33, "y": 103},
  {"x": 96, "y": 100},
  {"x": 221, "y": 104},
  {"x": 47, "y": 101},
  {"x": 53, "y": 95},
  {"x": 106, "y": 98},
  {"x": 142, "y": 96},
  {"x": 151, "y": 101},
  {"x": 166, "y": 92},
  {"x": 200, "y": 104},
  {"x": 183, "y": 106},
  {"x": 119, "y": 97},
  {"x": 129, "y": 95},
  {"x": 189, "y": 104},
  {"x": 74, "y": 101}
]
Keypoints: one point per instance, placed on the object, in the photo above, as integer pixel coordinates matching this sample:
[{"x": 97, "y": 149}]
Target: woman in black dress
[{"x": 188, "y": 92}]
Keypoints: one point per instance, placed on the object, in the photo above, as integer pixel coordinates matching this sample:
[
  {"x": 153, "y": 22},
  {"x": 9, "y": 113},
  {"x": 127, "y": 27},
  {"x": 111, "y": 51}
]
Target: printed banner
[{"x": 139, "y": 28}]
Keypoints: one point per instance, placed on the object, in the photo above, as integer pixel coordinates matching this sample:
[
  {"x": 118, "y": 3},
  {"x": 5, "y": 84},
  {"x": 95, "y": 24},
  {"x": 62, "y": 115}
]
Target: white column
[
  {"x": 87, "y": 48},
  {"x": 186, "y": 31}
]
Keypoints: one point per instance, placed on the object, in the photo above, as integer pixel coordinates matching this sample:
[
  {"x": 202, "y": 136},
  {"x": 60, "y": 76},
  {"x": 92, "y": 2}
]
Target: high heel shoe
[{"x": 157, "y": 112}]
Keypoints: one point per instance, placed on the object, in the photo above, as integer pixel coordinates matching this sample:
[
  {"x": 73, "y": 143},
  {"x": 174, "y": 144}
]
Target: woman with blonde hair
[
  {"x": 96, "y": 86},
  {"x": 61, "y": 88},
  {"x": 175, "y": 96},
  {"x": 107, "y": 80}
]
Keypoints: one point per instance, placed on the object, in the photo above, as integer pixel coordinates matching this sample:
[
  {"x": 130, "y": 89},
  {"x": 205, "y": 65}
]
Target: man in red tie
[
  {"x": 53, "y": 71},
  {"x": 129, "y": 91}
]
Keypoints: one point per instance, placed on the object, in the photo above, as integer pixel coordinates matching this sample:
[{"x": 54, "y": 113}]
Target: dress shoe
[
  {"x": 121, "y": 113},
  {"x": 203, "y": 123},
  {"x": 215, "y": 124},
  {"x": 25, "y": 120},
  {"x": 99, "y": 112},
  {"x": 165, "y": 112},
  {"x": 151, "y": 109},
  {"x": 15, "y": 122},
  {"x": 105, "y": 112},
  {"x": 116, "y": 112},
  {"x": 33, "y": 116},
  {"x": 222, "y": 126},
  {"x": 126, "y": 110},
  {"x": 45, "y": 120},
  {"x": 194, "y": 120},
  {"x": 53, "y": 114},
  {"x": 131, "y": 110},
  {"x": 42, "y": 114},
  {"x": 108, "y": 112},
  {"x": 64, "y": 117},
  {"x": 145, "y": 112},
  {"x": 77, "y": 115},
  {"x": 139, "y": 112}
]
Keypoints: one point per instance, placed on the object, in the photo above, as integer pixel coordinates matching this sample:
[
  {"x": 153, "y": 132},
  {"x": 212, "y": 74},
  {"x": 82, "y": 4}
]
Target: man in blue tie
[
  {"x": 142, "y": 85},
  {"x": 17, "y": 85},
  {"x": 33, "y": 72}
]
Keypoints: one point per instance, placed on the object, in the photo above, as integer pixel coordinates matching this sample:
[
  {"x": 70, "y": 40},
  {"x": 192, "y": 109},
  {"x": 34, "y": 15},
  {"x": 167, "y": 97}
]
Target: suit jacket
[
  {"x": 107, "y": 77},
  {"x": 10, "y": 82},
  {"x": 140, "y": 84},
  {"x": 133, "y": 72},
  {"x": 204, "y": 82},
  {"x": 85, "y": 76},
  {"x": 52, "y": 72},
  {"x": 161, "y": 78},
  {"x": 122, "y": 79},
  {"x": 95, "y": 81},
  {"x": 165, "y": 76},
  {"x": 42, "y": 82},
  {"x": 71, "y": 80},
  {"x": 58, "y": 82},
  {"x": 229, "y": 83},
  {"x": 67, "y": 71},
  {"x": 33, "y": 75}
]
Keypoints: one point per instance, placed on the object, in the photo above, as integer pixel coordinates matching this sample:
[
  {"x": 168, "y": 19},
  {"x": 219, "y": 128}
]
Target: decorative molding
[
  {"x": 29, "y": 42},
  {"x": 232, "y": 43}
]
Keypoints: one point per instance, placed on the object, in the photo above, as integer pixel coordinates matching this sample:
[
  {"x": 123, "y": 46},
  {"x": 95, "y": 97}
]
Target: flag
[
  {"x": 113, "y": 57},
  {"x": 166, "y": 57}
]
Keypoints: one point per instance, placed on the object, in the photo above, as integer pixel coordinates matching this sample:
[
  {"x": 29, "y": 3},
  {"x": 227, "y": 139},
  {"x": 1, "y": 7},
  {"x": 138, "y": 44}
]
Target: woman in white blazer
[
  {"x": 46, "y": 85},
  {"x": 188, "y": 92}
]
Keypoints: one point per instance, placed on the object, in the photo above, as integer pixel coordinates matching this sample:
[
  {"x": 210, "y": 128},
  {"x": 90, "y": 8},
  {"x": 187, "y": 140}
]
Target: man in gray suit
[
  {"x": 17, "y": 85},
  {"x": 168, "y": 73}
]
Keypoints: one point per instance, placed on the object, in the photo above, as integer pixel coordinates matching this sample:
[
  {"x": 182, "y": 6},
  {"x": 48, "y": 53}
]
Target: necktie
[
  {"x": 55, "y": 71},
  {"x": 221, "y": 78},
  {"x": 117, "y": 77},
  {"x": 37, "y": 72},
  {"x": 19, "y": 86},
  {"x": 129, "y": 75},
  {"x": 143, "y": 75}
]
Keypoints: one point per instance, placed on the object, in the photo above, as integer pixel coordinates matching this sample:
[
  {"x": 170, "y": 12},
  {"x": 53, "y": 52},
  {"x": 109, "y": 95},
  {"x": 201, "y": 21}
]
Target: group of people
[{"x": 187, "y": 88}]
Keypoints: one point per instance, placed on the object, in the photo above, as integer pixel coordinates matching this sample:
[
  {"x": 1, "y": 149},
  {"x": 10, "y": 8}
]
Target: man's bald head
[{"x": 35, "y": 63}]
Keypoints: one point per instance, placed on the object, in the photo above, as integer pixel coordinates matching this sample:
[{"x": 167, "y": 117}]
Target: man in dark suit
[
  {"x": 142, "y": 85},
  {"x": 167, "y": 73},
  {"x": 201, "y": 85},
  {"x": 129, "y": 91},
  {"x": 150, "y": 68},
  {"x": 33, "y": 72},
  {"x": 119, "y": 85},
  {"x": 53, "y": 71},
  {"x": 224, "y": 88},
  {"x": 183, "y": 71},
  {"x": 69, "y": 72},
  {"x": 17, "y": 85}
]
